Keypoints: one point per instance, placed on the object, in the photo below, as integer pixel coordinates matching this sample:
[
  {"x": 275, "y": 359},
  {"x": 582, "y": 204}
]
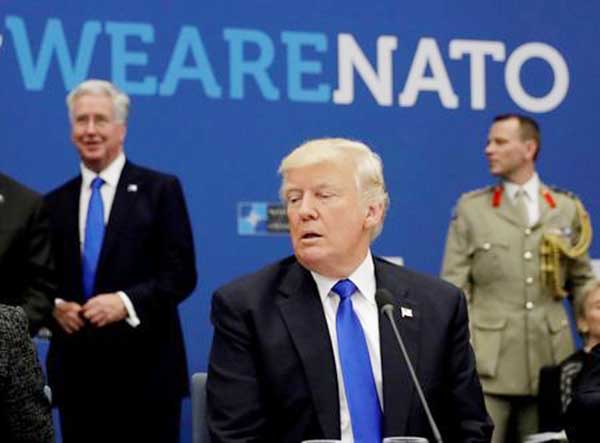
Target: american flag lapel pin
[{"x": 406, "y": 312}]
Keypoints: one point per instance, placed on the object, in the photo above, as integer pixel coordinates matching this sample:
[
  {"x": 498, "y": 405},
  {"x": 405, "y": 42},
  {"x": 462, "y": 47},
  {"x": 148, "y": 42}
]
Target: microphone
[{"x": 385, "y": 303}]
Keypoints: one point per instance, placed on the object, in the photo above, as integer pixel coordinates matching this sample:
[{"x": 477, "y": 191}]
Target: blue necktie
[
  {"x": 94, "y": 233},
  {"x": 359, "y": 383}
]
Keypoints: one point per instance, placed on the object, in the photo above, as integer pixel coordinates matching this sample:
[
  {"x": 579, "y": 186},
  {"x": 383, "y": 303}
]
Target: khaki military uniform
[{"x": 518, "y": 323}]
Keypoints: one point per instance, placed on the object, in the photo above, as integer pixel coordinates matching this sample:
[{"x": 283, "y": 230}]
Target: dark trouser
[{"x": 124, "y": 420}]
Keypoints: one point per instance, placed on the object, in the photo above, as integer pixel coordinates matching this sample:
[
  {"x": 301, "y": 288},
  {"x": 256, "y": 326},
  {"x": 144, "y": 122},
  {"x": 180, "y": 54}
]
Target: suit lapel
[
  {"x": 302, "y": 312},
  {"x": 398, "y": 389},
  {"x": 120, "y": 212},
  {"x": 72, "y": 240}
]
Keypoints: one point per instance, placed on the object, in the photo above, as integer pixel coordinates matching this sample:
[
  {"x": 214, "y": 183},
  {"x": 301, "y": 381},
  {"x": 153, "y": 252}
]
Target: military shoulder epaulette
[
  {"x": 468, "y": 196},
  {"x": 563, "y": 191},
  {"x": 478, "y": 191}
]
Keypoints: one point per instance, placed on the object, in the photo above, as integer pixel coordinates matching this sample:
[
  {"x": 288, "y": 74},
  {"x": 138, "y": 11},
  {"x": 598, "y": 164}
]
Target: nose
[
  {"x": 489, "y": 148},
  {"x": 90, "y": 127},
  {"x": 307, "y": 209}
]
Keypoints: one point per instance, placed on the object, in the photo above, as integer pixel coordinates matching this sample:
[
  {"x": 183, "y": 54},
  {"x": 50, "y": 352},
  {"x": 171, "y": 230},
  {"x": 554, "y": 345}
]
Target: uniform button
[
  {"x": 528, "y": 231},
  {"x": 487, "y": 246},
  {"x": 529, "y": 280},
  {"x": 527, "y": 255},
  {"x": 529, "y": 305}
]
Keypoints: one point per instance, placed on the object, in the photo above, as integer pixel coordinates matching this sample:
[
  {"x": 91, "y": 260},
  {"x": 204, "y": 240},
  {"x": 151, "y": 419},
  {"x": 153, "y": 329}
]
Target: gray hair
[
  {"x": 588, "y": 289},
  {"x": 368, "y": 168},
  {"x": 119, "y": 99}
]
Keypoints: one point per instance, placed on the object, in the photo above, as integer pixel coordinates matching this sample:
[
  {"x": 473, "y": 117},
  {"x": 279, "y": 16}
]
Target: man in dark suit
[
  {"x": 26, "y": 268},
  {"x": 300, "y": 351},
  {"x": 125, "y": 260}
]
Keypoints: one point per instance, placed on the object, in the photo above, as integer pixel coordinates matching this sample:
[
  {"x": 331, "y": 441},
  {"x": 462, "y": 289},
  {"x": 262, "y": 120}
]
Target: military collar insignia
[
  {"x": 497, "y": 195},
  {"x": 498, "y": 190},
  {"x": 548, "y": 197}
]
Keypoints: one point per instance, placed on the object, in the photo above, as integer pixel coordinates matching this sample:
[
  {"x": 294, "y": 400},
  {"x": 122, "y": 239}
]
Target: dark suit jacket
[
  {"x": 24, "y": 409},
  {"x": 148, "y": 253},
  {"x": 26, "y": 269},
  {"x": 581, "y": 418},
  {"x": 557, "y": 384},
  {"x": 272, "y": 375}
]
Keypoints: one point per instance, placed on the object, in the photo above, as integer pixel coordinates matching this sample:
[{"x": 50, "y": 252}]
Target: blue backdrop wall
[{"x": 221, "y": 90}]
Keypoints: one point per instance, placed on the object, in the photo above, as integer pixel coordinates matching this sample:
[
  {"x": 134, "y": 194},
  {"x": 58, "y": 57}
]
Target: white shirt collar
[
  {"x": 110, "y": 174},
  {"x": 531, "y": 188},
  {"x": 363, "y": 277}
]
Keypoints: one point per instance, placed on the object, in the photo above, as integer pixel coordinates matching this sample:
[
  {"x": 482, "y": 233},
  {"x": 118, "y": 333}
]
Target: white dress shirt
[
  {"x": 363, "y": 302},
  {"x": 110, "y": 175},
  {"x": 531, "y": 196}
]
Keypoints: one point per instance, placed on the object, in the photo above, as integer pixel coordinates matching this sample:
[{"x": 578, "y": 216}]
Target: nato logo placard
[{"x": 262, "y": 218}]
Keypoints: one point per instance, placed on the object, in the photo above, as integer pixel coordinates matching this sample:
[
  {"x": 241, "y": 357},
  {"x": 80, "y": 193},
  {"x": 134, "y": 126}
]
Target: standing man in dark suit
[
  {"x": 26, "y": 268},
  {"x": 300, "y": 350},
  {"x": 125, "y": 260}
]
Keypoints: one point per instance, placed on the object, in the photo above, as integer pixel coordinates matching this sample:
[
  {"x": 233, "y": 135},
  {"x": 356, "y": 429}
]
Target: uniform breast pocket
[{"x": 488, "y": 258}]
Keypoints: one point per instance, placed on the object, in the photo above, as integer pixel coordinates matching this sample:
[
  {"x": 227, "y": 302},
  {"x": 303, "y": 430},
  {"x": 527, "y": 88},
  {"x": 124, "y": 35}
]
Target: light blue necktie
[
  {"x": 94, "y": 234},
  {"x": 359, "y": 383}
]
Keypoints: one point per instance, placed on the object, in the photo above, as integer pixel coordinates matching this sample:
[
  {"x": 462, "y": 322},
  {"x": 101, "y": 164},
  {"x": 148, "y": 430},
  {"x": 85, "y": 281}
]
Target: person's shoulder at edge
[
  {"x": 264, "y": 277},
  {"x": 476, "y": 198},
  {"x": 263, "y": 281},
  {"x": 12, "y": 184},
  {"x": 150, "y": 172},
  {"x": 143, "y": 170},
  {"x": 564, "y": 196},
  {"x": 478, "y": 194},
  {"x": 426, "y": 283}
]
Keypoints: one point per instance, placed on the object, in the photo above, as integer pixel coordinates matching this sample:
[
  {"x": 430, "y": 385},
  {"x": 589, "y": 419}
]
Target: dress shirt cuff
[{"x": 132, "y": 318}]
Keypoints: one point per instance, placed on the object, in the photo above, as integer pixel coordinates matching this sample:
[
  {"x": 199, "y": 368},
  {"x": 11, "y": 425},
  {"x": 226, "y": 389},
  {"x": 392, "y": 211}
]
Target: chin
[{"x": 310, "y": 261}]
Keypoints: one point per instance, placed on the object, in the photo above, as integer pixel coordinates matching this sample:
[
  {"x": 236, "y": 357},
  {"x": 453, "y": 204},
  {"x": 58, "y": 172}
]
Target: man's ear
[
  {"x": 374, "y": 214},
  {"x": 532, "y": 148},
  {"x": 123, "y": 132}
]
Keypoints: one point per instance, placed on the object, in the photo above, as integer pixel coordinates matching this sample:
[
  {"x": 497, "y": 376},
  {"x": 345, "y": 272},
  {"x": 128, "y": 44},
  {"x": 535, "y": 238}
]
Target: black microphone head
[{"x": 384, "y": 299}]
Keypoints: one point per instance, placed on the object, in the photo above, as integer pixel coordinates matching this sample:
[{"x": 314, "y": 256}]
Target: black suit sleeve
[
  {"x": 25, "y": 408},
  {"x": 235, "y": 406},
  {"x": 176, "y": 276},
  {"x": 40, "y": 285},
  {"x": 27, "y": 272}
]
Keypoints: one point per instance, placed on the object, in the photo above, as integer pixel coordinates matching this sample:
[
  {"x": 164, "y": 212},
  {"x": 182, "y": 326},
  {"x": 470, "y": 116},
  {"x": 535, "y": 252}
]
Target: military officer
[{"x": 517, "y": 249}]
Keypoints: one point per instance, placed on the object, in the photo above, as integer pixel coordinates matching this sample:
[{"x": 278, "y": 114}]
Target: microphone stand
[{"x": 388, "y": 309}]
